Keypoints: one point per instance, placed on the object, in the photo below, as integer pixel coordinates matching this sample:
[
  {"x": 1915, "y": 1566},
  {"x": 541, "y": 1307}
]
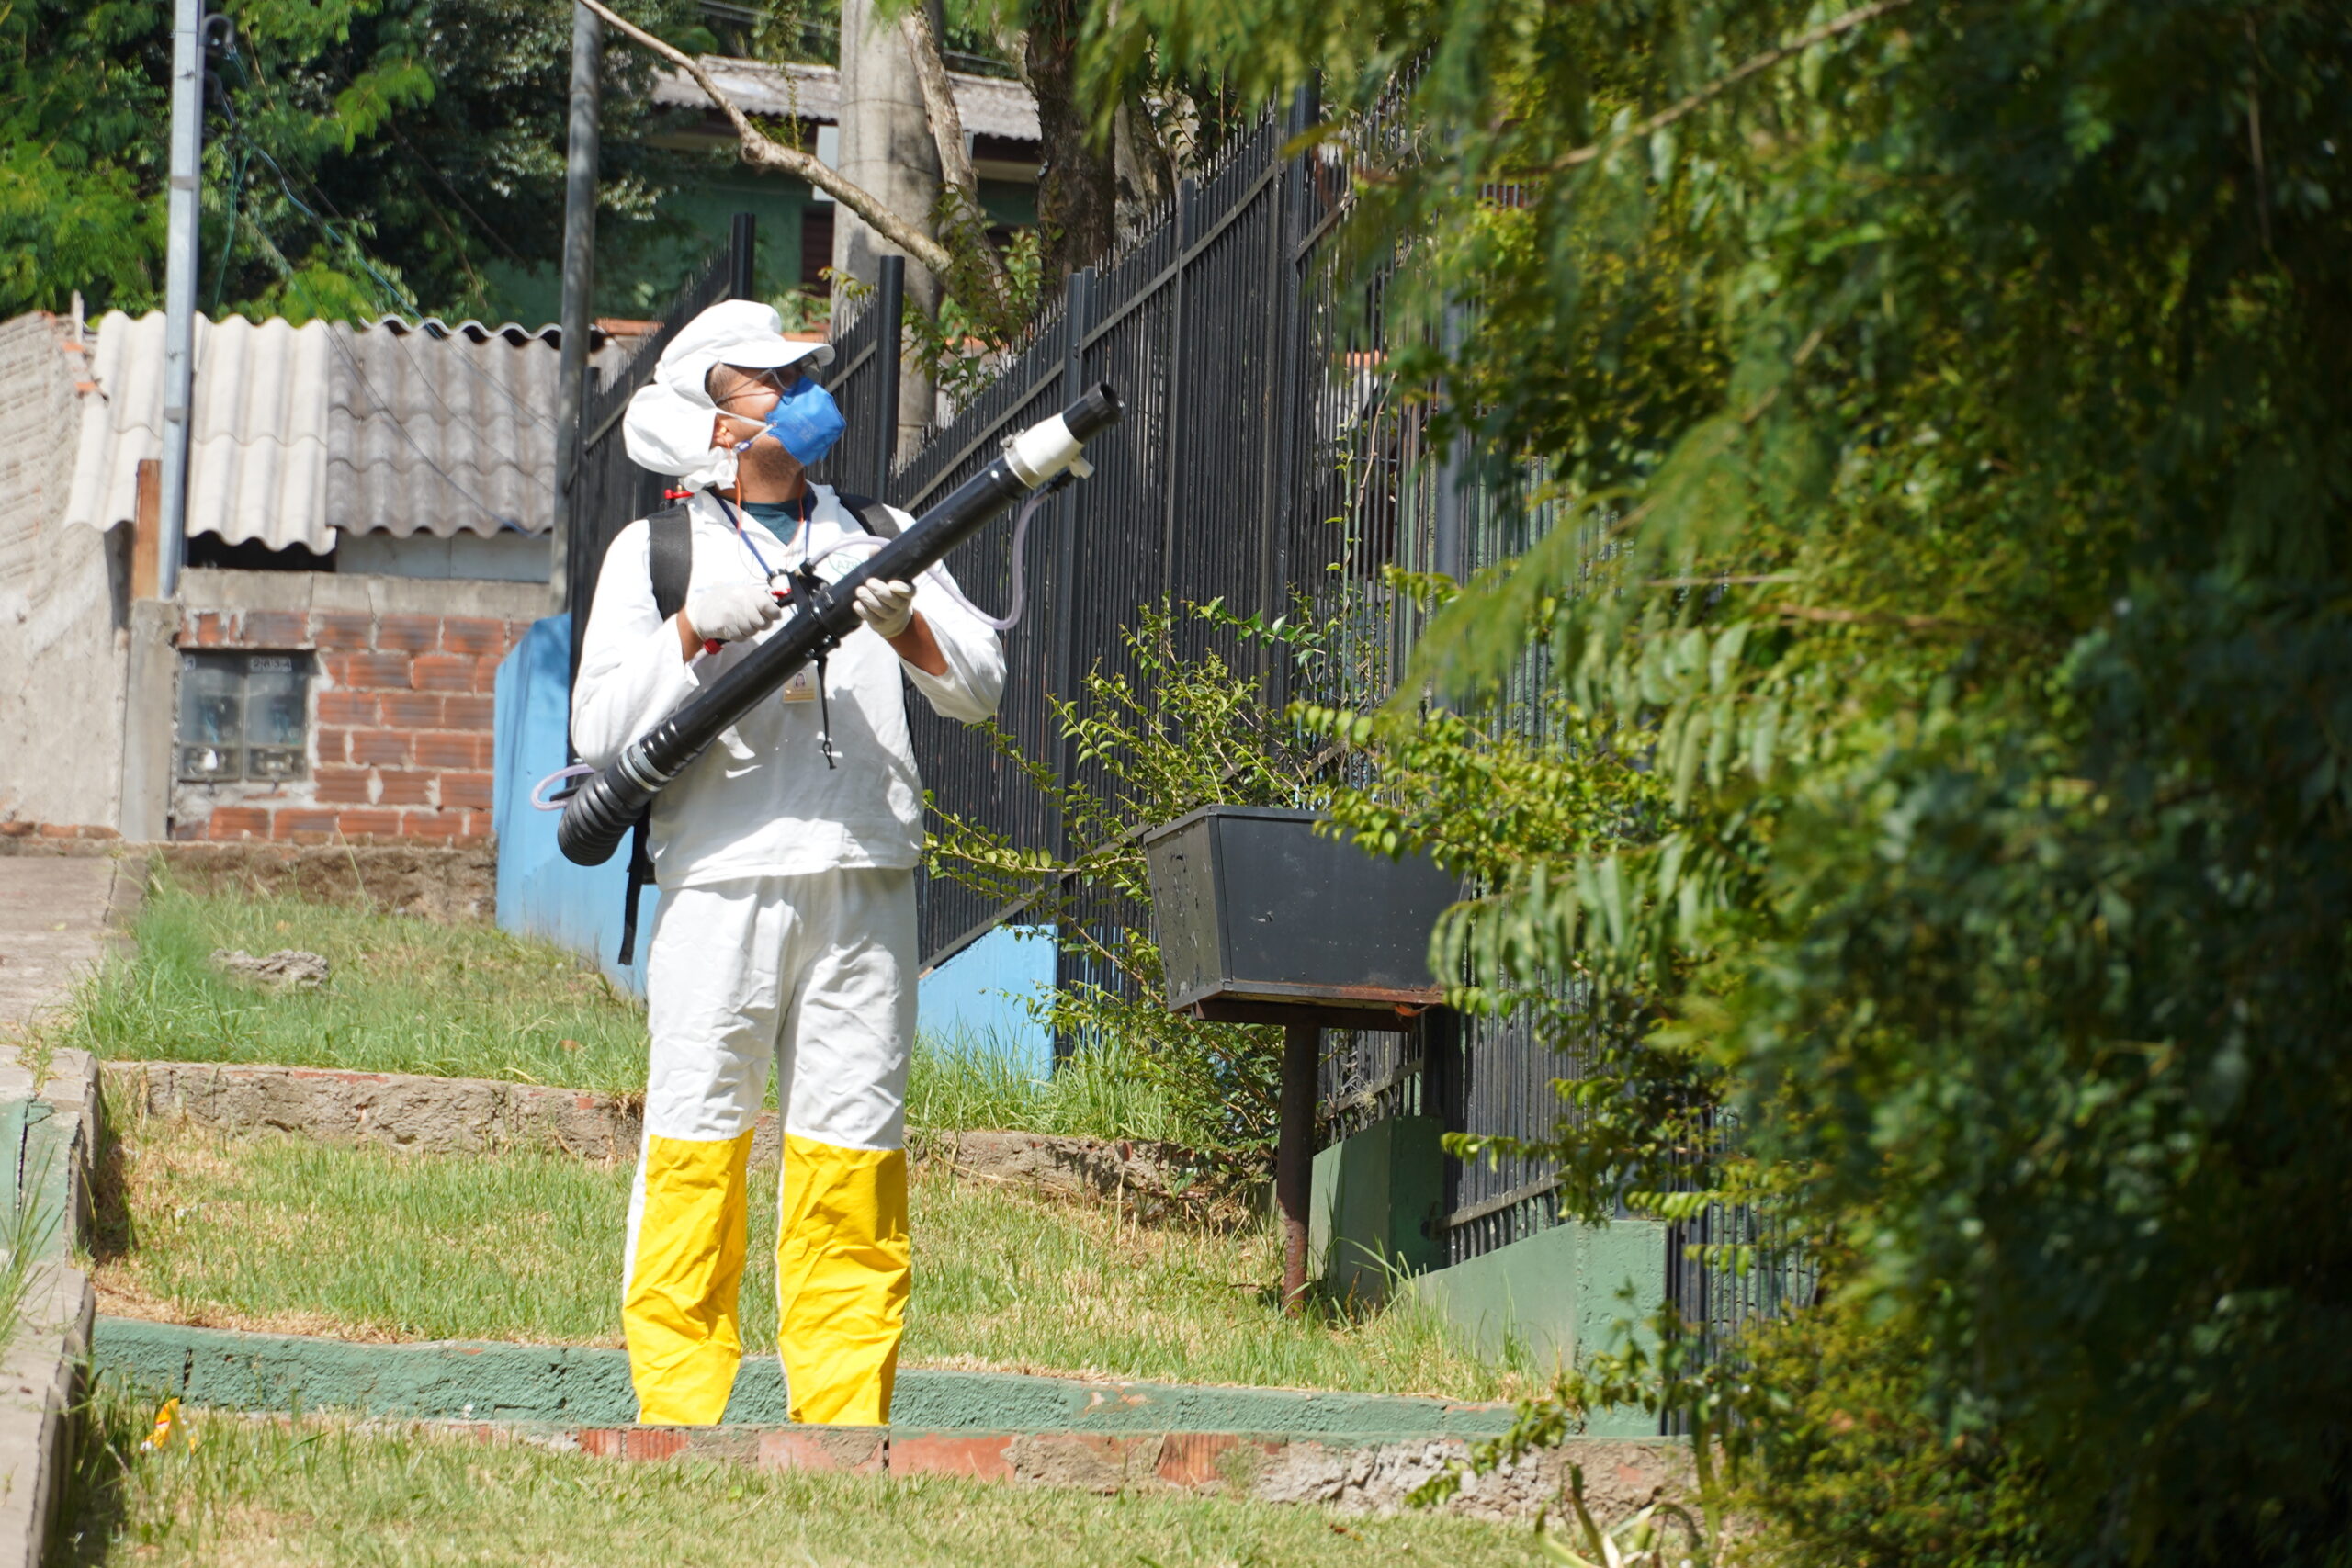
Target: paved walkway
[{"x": 53, "y": 926}]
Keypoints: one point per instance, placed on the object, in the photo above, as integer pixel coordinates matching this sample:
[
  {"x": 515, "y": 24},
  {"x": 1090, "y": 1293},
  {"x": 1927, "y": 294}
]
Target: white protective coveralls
[{"x": 787, "y": 930}]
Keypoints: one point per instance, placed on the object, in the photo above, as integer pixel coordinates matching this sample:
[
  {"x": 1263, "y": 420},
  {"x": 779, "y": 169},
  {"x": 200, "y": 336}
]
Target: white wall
[
  {"x": 64, "y": 600},
  {"x": 506, "y": 557}
]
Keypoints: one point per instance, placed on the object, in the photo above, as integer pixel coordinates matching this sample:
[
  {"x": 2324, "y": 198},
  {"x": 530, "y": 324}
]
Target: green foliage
[
  {"x": 1148, "y": 743},
  {"x": 1944, "y": 403},
  {"x": 364, "y": 155}
]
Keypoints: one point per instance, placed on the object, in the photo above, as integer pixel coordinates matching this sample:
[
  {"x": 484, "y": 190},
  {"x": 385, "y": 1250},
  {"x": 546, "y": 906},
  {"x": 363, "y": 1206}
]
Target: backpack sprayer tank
[{"x": 598, "y": 816}]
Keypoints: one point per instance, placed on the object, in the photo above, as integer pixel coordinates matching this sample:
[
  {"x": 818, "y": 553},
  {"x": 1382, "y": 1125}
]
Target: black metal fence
[{"x": 1266, "y": 454}]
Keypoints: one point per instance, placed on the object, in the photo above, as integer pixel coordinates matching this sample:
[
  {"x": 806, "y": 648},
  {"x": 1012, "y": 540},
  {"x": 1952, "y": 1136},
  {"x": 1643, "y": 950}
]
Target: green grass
[
  {"x": 408, "y": 995},
  {"x": 253, "y": 1494},
  {"x": 197, "y": 1228}
]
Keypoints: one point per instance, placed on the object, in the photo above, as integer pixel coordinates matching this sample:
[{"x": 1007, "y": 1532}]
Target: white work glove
[
  {"x": 887, "y": 607},
  {"x": 728, "y": 612}
]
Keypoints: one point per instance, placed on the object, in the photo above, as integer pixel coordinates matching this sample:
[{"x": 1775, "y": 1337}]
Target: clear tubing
[{"x": 946, "y": 584}]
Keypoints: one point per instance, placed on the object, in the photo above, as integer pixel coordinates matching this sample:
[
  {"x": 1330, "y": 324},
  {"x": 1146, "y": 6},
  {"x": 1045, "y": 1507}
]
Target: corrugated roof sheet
[
  {"x": 990, "y": 105},
  {"x": 257, "y": 446},
  {"x": 396, "y": 427},
  {"x": 433, "y": 431}
]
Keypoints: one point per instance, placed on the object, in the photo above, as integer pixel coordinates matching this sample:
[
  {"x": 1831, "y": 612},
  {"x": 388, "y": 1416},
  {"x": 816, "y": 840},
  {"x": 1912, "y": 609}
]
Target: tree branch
[
  {"x": 759, "y": 148},
  {"x": 960, "y": 201},
  {"x": 939, "y": 100},
  {"x": 1725, "y": 84}
]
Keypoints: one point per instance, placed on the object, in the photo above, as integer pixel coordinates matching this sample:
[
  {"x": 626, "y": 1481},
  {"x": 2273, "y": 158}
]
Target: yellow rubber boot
[
  {"x": 842, "y": 1270},
  {"x": 678, "y": 1309}
]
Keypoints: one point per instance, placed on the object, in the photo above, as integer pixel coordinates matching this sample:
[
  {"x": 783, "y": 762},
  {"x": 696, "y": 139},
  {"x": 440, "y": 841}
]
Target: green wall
[{"x": 1547, "y": 1300}]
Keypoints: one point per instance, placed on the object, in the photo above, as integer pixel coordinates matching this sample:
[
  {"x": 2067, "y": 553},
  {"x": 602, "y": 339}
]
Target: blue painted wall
[
  {"x": 972, "y": 1001},
  {"x": 539, "y": 892}
]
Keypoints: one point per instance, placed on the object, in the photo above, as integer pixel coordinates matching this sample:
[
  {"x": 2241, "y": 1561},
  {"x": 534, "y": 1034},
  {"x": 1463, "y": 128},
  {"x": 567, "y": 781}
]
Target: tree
[
  {"x": 1957, "y": 387},
  {"x": 363, "y": 157}
]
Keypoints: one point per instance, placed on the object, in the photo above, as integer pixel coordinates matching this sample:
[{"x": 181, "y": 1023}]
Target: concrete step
[
  {"x": 1354, "y": 1453},
  {"x": 474, "y": 1379}
]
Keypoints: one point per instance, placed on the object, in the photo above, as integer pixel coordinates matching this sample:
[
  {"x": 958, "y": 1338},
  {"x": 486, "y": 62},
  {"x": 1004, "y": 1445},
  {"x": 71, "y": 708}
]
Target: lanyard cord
[{"x": 805, "y": 578}]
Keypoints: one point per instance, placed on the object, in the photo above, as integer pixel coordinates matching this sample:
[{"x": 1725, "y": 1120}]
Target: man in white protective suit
[{"x": 785, "y": 856}]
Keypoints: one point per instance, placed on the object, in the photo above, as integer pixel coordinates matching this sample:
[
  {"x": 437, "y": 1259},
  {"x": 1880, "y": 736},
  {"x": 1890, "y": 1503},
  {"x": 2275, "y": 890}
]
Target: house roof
[
  {"x": 394, "y": 427},
  {"x": 990, "y": 105}
]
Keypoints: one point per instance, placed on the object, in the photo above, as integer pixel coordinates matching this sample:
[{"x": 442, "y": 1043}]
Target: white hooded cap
[{"x": 667, "y": 429}]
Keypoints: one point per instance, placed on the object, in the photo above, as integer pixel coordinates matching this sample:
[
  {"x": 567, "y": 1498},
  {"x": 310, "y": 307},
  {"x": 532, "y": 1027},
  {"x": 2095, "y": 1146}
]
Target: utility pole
[
  {"x": 179, "y": 288},
  {"x": 579, "y": 280}
]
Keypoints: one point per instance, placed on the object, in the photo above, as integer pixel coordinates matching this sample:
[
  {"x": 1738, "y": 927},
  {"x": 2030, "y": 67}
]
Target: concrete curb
[
  {"x": 48, "y": 1132},
  {"x": 479, "y": 1115},
  {"x": 1353, "y": 1452},
  {"x": 1373, "y": 1477},
  {"x": 471, "y": 1380}
]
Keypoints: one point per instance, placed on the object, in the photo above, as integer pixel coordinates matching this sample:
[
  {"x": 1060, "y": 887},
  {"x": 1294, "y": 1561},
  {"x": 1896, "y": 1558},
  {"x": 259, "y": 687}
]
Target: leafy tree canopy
[
  {"x": 362, "y": 155},
  {"x": 1942, "y": 408}
]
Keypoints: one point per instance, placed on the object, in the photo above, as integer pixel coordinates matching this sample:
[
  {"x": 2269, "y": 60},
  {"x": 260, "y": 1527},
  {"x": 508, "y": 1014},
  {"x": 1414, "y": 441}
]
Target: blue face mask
[{"x": 807, "y": 420}]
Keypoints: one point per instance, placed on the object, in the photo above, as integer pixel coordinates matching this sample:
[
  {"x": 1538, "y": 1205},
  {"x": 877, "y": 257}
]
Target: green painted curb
[{"x": 587, "y": 1386}]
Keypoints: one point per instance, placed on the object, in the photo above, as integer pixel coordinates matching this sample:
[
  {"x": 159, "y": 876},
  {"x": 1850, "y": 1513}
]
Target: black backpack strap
[
  {"x": 670, "y": 558},
  {"x": 670, "y": 561},
  {"x": 871, "y": 514},
  {"x": 640, "y": 872}
]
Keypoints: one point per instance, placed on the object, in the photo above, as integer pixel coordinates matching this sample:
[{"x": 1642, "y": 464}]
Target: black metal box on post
[{"x": 1261, "y": 918}]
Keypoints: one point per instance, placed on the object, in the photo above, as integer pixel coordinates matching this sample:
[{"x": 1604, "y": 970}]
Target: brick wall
[{"x": 401, "y": 737}]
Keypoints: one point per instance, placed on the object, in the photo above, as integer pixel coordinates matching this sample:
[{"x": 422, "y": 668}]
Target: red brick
[
  {"x": 18, "y": 830},
  {"x": 343, "y": 628},
  {"x": 442, "y": 672},
  {"x": 333, "y": 745},
  {"x": 1192, "y": 1459},
  {"x": 654, "y": 1442},
  {"x": 411, "y": 710},
  {"x": 471, "y": 790},
  {"x": 469, "y": 713},
  {"x": 463, "y": 635},
  {"x": 302, "y": 819},
  {"x": 204, "y": 628},
  {"x": 347, "y": 707},
  {"x": 440, "y": 827},
  {"x": 412, "y": 634},
  {"x": 369, "y": 671},
  {"x": 274, "y": 629},
  {"x": 367, "y": 824},
  {"x": 858, "y": 1450},
  {"x": 486, "y": 675},
  {"x": 949, "y": 1453},
  {"x": 344, "y": 787},
  {"x": 236, "y": 822},
  {"x": 603, "y": 1442},
  {"x": 399, "y": 787},
  {"x": 378, "y": 747},
  {"x": 446, "y": 749}
]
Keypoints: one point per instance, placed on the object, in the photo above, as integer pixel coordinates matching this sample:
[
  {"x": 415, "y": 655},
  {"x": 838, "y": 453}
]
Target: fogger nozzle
[{"x": 598, "y": 816}]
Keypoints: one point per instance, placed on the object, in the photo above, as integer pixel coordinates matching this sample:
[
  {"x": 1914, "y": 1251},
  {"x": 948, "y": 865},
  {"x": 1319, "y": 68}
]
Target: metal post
[
  {"x": 578, "y": 279},
  {"x": 890, "y": 300},
  {"x": 179, "y": 287},
  {"x": 1448, "y": 552},
  {"x": 1078, "y": 315},
  {"x": 742, "y": 251},
  {"x": 1294, "y": 1154}
]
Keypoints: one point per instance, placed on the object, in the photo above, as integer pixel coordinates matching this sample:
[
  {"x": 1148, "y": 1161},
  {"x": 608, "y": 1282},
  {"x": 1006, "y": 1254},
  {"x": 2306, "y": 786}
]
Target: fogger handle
[{"x": 597, "y": 817}]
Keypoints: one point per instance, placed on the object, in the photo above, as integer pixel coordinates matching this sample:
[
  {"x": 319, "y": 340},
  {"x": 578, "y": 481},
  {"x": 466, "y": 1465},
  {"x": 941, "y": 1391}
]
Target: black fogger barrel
[{"x": 597, "y": 817}]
